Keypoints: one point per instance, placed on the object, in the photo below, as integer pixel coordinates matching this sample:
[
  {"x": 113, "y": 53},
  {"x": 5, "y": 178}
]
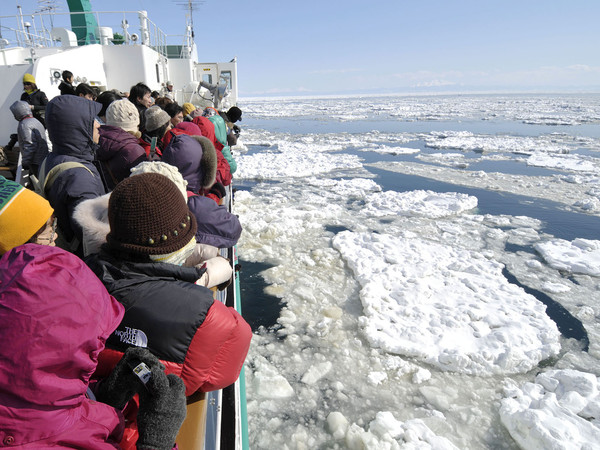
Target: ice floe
[
  {"x": 450, "y": 308},
  {"x": 574, "y": 192},
  {"x": 386, "y": 433},
  {"x": 457, "y": 160},
  {"x": 560, "y": 410},
  {"x": 421, "y": 203},
  {"x": 468, "y": 141},
  {"x": 329, "y": 373},
  {"x": 291, "y": 163},
  {"x": 574, "y": 163},
  {"x": 578, "y": 256}
]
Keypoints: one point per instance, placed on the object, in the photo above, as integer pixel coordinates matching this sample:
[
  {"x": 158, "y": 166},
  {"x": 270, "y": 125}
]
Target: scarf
[{"x": 178, "y": 257}]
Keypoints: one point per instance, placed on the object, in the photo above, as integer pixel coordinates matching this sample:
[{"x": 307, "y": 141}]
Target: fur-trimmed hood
[
  {"x": 92, "y": 217},
  {"x": 196, "y": 159}
]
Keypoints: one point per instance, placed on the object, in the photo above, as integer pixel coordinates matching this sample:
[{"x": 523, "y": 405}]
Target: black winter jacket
[
  {"x": 39, "y": 101},
  {"x": 66, "y": 88}
]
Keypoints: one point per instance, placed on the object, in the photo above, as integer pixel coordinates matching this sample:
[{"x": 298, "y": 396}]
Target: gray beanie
[
  {"x": 123, "y": 114},
  {"x": 156, "y": 117}
]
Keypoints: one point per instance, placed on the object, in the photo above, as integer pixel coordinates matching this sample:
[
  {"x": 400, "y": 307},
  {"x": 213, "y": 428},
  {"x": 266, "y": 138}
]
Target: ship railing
[
  {"x": 116, "y": 27},
  {"x": 218, "y": 420}
]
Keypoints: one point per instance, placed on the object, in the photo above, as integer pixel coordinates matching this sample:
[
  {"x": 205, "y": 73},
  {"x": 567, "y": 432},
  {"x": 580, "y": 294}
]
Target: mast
[
  {"x": 188, "y": 42},
  {"x": 48, "y": 6}
]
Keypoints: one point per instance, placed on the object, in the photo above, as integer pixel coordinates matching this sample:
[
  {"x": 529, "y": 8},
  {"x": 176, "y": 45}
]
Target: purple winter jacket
[
  {"x": 216, "y": 225},
  {"x": 196, "y": 159},
  {"x": 119, "y": 151},
  {"x": 55, "y": 316}
]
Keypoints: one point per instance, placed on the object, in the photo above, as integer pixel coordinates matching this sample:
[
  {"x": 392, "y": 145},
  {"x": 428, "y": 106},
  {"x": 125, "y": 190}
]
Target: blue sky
[{"x": 390, "y": 46}]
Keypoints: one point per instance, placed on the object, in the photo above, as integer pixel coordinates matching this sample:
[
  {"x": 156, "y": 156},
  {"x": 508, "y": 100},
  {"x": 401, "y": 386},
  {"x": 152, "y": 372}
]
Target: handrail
[{"x": 33, "y": 30}]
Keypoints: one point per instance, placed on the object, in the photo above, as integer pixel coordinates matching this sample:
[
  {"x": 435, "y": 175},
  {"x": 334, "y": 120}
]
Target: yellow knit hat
[
  {"x": 28, "y": 78},
  {"x": 22, "y": 214},
  {"x": 188, "y": 108}
]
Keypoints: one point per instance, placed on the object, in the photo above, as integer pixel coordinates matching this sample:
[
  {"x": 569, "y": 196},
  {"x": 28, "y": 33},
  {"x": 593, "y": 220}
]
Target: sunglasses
[{"x": 27, "y": 84}]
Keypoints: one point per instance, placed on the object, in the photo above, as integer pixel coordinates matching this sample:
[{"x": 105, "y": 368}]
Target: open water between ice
[{"x": 421, "y": 272}]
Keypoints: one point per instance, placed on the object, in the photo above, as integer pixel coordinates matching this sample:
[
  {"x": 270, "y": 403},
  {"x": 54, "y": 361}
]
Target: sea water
[{"x": 421, "y": 272}]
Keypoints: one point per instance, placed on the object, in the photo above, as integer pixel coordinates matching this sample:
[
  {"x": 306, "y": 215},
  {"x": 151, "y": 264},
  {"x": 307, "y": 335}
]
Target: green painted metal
[
  {"x": 83, "y": 22},
  {"x": 242, "y": 378}
]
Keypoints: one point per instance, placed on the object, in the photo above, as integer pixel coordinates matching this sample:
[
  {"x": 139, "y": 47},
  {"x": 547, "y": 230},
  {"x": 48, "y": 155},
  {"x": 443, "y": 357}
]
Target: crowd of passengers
[{"x": 110, "y": 261}]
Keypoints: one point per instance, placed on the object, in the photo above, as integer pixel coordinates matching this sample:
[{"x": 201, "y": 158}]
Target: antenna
[
  {"x": 190, "y": 6},
  {"x": 48, "y": 6}
]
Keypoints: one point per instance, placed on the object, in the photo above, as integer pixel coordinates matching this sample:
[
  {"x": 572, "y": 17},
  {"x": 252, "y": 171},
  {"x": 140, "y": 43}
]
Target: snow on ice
[
  {"x": 422, "y": 203},
  {"x": 397, "y": 328},
  {"x": 448, "y": 307},
  {"x": 578, "y": 256},
  {"x": 561, "y": 410}
]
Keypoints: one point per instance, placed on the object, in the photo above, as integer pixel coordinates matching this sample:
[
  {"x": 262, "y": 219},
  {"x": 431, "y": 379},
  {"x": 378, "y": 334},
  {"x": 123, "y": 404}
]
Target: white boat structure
[
  {"x": 108, "y": 50},
  {"x": 116, "y": 50}
]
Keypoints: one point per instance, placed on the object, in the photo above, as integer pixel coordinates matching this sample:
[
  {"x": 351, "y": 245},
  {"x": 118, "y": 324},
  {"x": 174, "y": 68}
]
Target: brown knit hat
[
  {"x": 149, "y": 216},
  {"x": 155, "y": 118}
]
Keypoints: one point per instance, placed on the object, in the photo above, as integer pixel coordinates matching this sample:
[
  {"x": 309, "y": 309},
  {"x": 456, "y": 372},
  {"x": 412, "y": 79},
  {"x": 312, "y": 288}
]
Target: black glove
[
  {"x": 162, "y": 411},
  {"x": 13, "y": 140},
  {"x": 122, "y": 384},
  {"x": 218, "y": 189}
]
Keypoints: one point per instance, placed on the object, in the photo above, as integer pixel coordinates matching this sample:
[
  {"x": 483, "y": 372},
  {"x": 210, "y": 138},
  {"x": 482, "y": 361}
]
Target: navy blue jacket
[
  {"x": 70, "y": 123},
  {"x": 39, "y": 101}
]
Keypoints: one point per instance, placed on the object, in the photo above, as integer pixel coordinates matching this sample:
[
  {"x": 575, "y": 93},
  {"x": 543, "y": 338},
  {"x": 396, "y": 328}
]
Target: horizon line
[{"x": 418, "y": 94}]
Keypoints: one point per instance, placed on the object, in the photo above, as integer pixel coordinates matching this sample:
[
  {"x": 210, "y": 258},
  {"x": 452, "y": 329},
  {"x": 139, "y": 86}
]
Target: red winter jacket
[
  {"x": 189, "y": 128},
  {"x": 195, "y": 336}
]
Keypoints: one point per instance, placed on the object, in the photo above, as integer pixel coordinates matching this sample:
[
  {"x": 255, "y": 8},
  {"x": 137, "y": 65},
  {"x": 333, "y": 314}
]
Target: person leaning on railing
[{"x": 152, "y": 233}]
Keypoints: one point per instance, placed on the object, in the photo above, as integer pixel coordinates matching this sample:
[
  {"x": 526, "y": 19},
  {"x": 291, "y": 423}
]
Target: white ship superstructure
[{"x": 108, "y": 50}]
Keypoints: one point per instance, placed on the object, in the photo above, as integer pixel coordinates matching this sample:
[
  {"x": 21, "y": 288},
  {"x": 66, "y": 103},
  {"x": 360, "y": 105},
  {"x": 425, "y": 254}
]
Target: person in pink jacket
[
  {"x": 55, "y": 317},
  {"x": 50, "y": 348}
]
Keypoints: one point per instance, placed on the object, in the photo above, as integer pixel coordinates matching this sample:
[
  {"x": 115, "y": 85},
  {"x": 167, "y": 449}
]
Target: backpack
[
  {"x": 43, "y": 185},
  {"x": 45, "y": 181}
]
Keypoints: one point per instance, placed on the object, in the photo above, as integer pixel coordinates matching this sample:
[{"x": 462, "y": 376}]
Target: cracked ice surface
[{"x": 348, "y": 259}]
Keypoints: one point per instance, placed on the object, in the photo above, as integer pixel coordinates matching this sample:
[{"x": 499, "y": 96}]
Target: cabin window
[
  {"x": 226, "y": 77},
  {"x": 207, "y": 78},
  {"x": 157, "y": 74}
]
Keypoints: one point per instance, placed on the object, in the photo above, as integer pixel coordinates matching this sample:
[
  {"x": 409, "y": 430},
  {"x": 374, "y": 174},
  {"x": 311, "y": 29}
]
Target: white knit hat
[
  {"x": 169, "y": 171},
  {"x": 123, "y": 114}
]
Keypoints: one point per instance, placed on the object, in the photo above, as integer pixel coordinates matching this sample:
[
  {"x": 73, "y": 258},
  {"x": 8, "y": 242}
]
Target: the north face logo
[{"x": 133, "y": 336}]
